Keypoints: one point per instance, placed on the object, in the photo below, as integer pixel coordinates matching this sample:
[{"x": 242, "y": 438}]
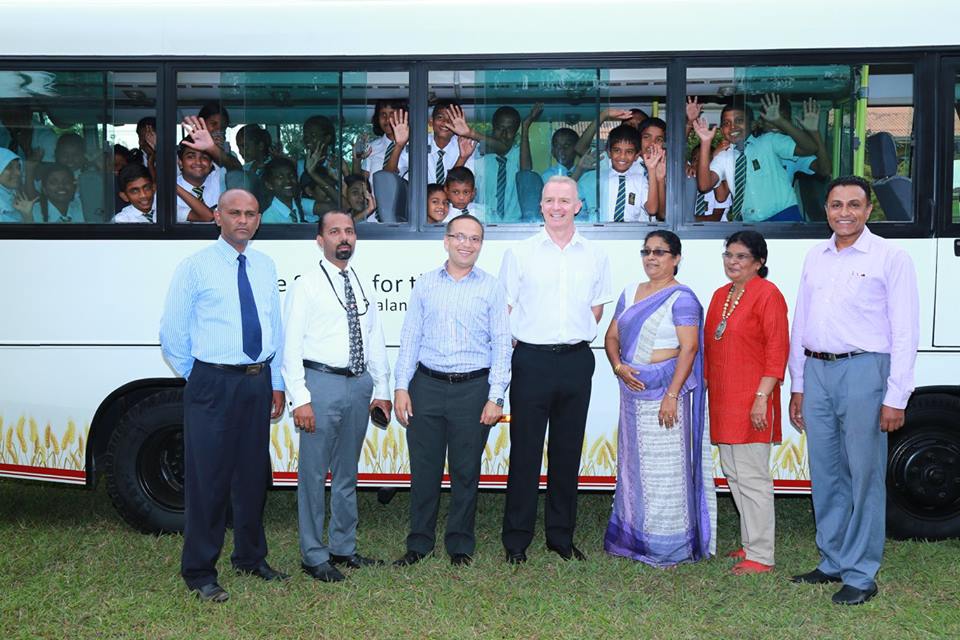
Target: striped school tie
[
  {"x": 198, "y": 191},
  {"x": 464, "y": 211},
  {"x": 441, "y": 170},
  {"x": 149, "y": 216},
  {"x": 739, "y": 184},
  {"x": 501, "y": 185},
  {"x": 387, "y": 153},
  {"x": 700, "y": 207},
  {"x": 621, "y": 205}
]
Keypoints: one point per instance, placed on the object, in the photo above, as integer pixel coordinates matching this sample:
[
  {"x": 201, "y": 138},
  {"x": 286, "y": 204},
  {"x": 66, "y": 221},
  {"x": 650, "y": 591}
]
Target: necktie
[
  {"x": 700, "y": 207},
  {"x": 739, "y": 182},
  {"x": 441, "y": 170},
  {"x": 464, "y": 211},
  {"x": 386, "y": 154},
  {"x": 149, "y": 217},
  {"x": 621, "y": 204},
  {"x": 198, "y": 191},
  {"x": 356, "y": 364},
  {"x": 501, "y": 185},
  {"x": 249, "y": 322}
]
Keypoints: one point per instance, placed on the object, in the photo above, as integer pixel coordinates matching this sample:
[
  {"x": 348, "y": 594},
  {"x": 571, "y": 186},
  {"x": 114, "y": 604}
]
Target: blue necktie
[{"x": 250, "y": 323}]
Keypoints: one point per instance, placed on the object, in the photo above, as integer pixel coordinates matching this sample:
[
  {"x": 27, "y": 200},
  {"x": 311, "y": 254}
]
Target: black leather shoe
[
  {"x": 211, "y": 592},
  {"x": 460, "y": 559},
  {"x": 409, "y": 558},
  {"x": 815, "y": 577},
  {"x": 516, "y": 557},
  {"x": 852, "y": 595},
  {"x": 356, "y": 561},
  {"x": 568, "y": 554},
  {"x": 264, "y": 572},
  {"x": 325, "y": 572}
]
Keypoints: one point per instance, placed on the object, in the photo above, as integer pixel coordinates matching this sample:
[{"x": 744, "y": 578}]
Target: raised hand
[
  {"x": 399, "y": 120},
  {"x": 361, "y": 147},
  {"x": 149, "y": 140},
  {"x": 23, "y": 204},
  {"x": 615, "y": 114},
  {"x": 811, "y": 115},
  {"x": 704, "y": 131},
  {"x": 693, "y": 108},
  {"x": 467, "y": 146},
  {"x": 197, "y": 131},
  {"x": 588, "y": 160},
  {"x": 458, "y": 123},
  {"x": 535, "y": 112},
  {"x": 653, "y": 157},
  {"x": 661, "y": 171},
  {"x": 770, "y": 107}
]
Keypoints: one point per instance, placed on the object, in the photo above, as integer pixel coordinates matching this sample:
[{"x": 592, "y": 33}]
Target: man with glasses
[
  {"x": 452, "y": 373},
  {"x": 334, "y": 359}
]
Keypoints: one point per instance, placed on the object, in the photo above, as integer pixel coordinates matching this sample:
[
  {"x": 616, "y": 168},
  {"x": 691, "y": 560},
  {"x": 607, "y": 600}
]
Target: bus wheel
[
  {"x": 923, "y": 471},
  {"x": 144, "y": 464}
]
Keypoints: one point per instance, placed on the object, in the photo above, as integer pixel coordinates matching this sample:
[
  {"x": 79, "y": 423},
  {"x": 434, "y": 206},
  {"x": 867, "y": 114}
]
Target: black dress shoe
[
  {"x": 211, "y": 592},
  {"x": 516, "y": 557},
  {"x": 460, "y": 559},
  {"x": 264, "y": 572},
  {"x": 325, "y": 572},
  {"x": 568, "y": 554},
  {"x": 409, "y": 558},
  {"x": 815, "y": 577},
  {"x": 356, "y": 561},
  {"x": 852, "y": 595}
]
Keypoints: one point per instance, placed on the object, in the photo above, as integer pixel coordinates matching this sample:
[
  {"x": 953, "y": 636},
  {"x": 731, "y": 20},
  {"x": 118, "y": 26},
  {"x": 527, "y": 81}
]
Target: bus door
[{"x": 946, "y": 330}]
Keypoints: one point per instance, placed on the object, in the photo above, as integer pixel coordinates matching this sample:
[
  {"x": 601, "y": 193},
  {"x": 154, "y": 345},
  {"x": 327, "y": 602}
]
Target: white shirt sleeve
[
  {"x": 294, "y": 326},
  {"x": 377, "y": 354}
]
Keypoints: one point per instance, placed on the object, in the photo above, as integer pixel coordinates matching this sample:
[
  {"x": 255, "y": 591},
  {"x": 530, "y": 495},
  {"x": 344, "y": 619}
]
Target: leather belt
[
  {"x": 555, "y": 348},
  {"x": 245, "y": 369},
  {"x": 452, "y": 378},
  {"x": 337, "y": 371},
  {"x": 830, "y": 356}
]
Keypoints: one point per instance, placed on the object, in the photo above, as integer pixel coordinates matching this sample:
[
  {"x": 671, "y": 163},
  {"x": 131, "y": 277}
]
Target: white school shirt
[
  {"x": 211, "y": 193},
  {"x": 316, "y": 328},
  {"x": 637, "y": 190},
  {"x": 451, "y": 153},
  {"x": 74, "y": 212},
  {"x": 474, "y": 208},
  {"x": 551, "y": 290},
  {"x": 131, "y": 214},
  {"x": 374, "y": 162},
  {"x": 279, "y": 213},
  {"x": 486, "y": 180}
]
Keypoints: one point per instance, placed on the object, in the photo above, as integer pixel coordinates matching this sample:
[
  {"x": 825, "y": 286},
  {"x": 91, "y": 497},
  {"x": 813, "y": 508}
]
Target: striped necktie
[
  {"x": 700, "y": 207},
  {"x": 621, "y": 204},
  {"x": 464, "y": 211},
  {"x": 198, "y": 191},
  {"x": 501, "y": 185},
  {"x": 441, "y": 170},
  {"x": 387, "y": 153},
  {"x": 149, "y": 216},
  {"x": 739, "y": 184}
]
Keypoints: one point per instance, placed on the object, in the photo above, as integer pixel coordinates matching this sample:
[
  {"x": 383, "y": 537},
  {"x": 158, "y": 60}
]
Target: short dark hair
[
  {"x": 182, "y": 149},
  {"x": 623, "y": 133},
  {"x": 148, "y": 121},
  {"x": 130, "y": 173},
  {"x": 47, "y": 170},
  {"x": 755, "y": 243},
  {"x": 380, "y": 104},
  {"x": 505, "y": 112},
  {"x": 275, "y": 165},
  {"x": 464, "y": 216},
  {"x": 433, "y": 188},
  {"x": 354, "y": 178},
  {"x": 212, "y": 109},
  {"x": 738, "y": 104},
  {"x": 321, "y": 122},
  {"x": 442, "y": 104},
  {"x": 324, "y": 214},
  {"x": 672, "y": 240},
  {"x": 652, "y": 122},
  {"x": 849, "y": 181},
  {"x": 461, "y": 174},
  {"x": 641, "y": 112},
  {"x": 564, "y": 131},
  {"x": 255, "y": 133}
]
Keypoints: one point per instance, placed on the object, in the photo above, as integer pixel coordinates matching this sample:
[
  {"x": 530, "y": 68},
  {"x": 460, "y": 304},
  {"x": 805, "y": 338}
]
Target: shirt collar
[
  {"x": 862, "y": 244},
  {"x": 544, "y": 238},
  {"x": 446, "y": 274},
  {"x": 223, "y": 248}
]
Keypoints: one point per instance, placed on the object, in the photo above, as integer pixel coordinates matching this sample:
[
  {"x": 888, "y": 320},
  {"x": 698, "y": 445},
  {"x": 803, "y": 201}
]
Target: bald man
[{"x": 220, "y": 331}]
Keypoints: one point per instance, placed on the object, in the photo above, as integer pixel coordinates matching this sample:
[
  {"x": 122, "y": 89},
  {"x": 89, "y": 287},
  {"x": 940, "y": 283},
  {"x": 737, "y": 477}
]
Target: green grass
[{"x": 69, "y": 568}]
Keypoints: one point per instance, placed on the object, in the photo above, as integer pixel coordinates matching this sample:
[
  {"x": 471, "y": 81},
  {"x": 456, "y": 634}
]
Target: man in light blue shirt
[
  {"x": 452, "y": 373},
  {"x": 220, "y": 330}
]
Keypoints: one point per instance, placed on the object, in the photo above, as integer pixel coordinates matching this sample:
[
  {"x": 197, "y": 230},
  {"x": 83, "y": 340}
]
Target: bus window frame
[
  {"x": 928, "y": 65},
  {"x": 943, "y": 203}
]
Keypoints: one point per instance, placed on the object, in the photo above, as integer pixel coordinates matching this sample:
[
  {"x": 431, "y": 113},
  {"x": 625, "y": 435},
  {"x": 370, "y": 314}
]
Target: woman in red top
[{"x": 746, "y": 346}]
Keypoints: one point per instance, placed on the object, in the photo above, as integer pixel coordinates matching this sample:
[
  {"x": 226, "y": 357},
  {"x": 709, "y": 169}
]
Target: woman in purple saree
[{"x": 664, "y": 510}]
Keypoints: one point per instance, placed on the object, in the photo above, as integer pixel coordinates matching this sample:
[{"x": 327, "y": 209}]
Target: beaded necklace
[{"x": 727, "y": 312}]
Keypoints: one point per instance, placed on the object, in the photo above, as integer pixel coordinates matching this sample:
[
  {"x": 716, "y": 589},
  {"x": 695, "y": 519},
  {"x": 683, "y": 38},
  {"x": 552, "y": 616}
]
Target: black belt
[
  {"x": 337, "y": 371},
  {"x": 452, "y": 378},
  {"x": 555, "y": 348},
  {"x": 830, "y": 356},
  {"x": 245, "y": 369}
]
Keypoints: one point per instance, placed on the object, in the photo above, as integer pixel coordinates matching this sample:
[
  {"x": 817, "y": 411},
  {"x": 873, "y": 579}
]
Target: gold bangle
[
  {"x": 675, "y": 396},
  {"x": 761, "y": 394},
  {"x": 616, "y": 369}
]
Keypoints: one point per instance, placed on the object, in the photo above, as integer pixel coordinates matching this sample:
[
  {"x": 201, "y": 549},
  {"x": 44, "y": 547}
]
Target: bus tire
[
  {"x": 144, "y": 464},
  {"x": 923, "y": 471}
]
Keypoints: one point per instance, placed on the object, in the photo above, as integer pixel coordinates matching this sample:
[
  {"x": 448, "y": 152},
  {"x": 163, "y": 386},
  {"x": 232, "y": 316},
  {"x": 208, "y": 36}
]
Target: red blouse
[{"x": 755, "y": 344}]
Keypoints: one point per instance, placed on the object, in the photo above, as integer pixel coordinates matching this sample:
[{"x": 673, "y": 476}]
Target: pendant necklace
[{"x": 727, "y": 312}]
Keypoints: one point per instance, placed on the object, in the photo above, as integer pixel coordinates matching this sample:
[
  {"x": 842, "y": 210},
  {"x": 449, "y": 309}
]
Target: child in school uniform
[
  {"x": 10, "y": 186},
  {"x": 386, "y": 152},
  {"x": 136, "y": 187},
  {"x": 56, "y": 202},
  {"x": 282, "y": 195},
  {"x": 443, "y": 145},
  {"x": 437, "y": 204},
  {"x": 359, "y": 200},
  {"x": 460, "y": 189},
  {"x": 618, "y": 191},
  {"x": 198, "y": 176}
]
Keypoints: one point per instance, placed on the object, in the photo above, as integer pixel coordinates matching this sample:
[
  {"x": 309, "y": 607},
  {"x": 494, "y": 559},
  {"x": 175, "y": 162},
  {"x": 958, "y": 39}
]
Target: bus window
[
  {"x": 955, "y": 182},
  {"x": 65, "y": 139},
  {"x": 301, "y": 142},
  {"x": 497, "y": 135},
  {"x": 763, "y": 142}
]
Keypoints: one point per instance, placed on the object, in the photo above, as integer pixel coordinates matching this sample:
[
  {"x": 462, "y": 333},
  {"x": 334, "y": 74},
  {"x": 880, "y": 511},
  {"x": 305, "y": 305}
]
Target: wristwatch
[{"x": 498, "y": 402}]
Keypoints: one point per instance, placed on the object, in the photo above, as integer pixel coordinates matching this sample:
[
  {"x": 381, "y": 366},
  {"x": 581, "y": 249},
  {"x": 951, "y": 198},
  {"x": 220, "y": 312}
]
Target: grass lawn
[{"x": 71, "y": 569}]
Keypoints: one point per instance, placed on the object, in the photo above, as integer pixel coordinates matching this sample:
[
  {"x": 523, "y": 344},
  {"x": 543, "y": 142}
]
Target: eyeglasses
[
  {"x": 736, "y": 257},
  {"x": 461, "y": 238},
  {"x": 657, "y": 253}
]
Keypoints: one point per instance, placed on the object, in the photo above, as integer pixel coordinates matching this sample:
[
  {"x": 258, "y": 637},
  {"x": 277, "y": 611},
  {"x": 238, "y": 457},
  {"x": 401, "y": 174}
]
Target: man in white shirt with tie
[{"x": 334, "y": 360}]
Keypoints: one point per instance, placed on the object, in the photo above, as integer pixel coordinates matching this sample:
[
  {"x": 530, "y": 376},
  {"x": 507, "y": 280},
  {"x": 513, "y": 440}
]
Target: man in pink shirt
[{"x": 852, "y": 353}]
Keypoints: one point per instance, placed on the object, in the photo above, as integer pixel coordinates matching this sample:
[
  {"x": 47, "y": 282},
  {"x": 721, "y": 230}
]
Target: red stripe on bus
[{"x": 43, "y": 472}]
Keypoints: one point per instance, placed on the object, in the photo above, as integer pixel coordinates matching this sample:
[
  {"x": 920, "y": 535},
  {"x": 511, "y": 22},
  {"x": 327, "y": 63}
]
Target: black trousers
[
  {"x": 226, "y": 434},
  {"x": 445, "y": 424},
  {"x": 546, "y": 387}
]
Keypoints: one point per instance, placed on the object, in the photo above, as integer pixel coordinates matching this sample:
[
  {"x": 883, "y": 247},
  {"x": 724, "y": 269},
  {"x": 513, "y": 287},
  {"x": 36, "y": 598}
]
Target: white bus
[{"x": 86, "y": 395}]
